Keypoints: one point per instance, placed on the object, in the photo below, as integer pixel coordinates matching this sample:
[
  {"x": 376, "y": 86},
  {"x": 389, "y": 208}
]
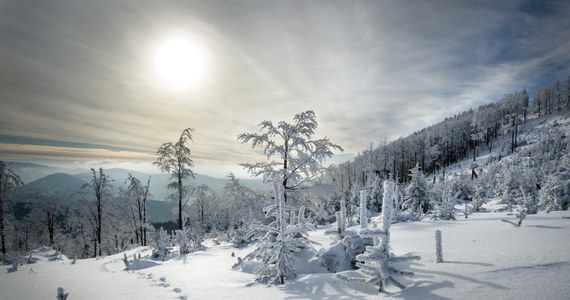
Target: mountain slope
[{"x": 63, "y": 184}]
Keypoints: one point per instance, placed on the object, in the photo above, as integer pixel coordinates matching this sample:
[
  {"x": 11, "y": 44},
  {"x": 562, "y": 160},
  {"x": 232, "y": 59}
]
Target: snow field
[{"x": 484, "y": 258}]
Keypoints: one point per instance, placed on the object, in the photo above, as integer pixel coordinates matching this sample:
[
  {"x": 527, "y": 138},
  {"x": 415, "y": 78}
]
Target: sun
[{"x": 179, "y": 62}]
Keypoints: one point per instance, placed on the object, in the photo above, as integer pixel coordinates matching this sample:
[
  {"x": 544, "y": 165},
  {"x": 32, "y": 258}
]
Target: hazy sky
[{"x": 78, "y": 83}]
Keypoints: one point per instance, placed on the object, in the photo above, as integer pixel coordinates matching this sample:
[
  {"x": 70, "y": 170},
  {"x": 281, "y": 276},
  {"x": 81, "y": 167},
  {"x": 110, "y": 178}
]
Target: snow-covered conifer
[
  {"x": 417, "y": 197},
  {"x": 162, "y": 243},
  {"x": 183, "y": 241},
  {"x": 280, "y": 243},
  {"x": 479, "y": 198},
  {"x": 447, "y": 206},
  {"x": 376, "y": 264},
  {"x": 554, "y": 194}
]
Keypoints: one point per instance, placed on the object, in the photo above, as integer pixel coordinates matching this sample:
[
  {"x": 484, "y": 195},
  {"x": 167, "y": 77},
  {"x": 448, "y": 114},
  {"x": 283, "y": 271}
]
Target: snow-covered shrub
[
  {"x": 182, "y": 240},
  {"x": 162, "y": 243},
  {"x": 521, "y": 215},
  {"x": 15, "y": 263},
  {"x": 554, "y": 194},
  {"x": 341, "y": 256},
  {"x": 446, "y": 207},
  {"x": 479, "y": 198},
  {"x": 376, "y": 264},
  {"x": 240, "y": 239},
  {"x": 61, "y": 294},
  {"x": 334, "y": 258},
  {"x": 340, "y": 232}
]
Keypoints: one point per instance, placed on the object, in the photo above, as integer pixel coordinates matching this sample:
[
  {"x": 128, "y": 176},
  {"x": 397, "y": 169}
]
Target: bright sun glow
[{"x": 179, "y": 62}]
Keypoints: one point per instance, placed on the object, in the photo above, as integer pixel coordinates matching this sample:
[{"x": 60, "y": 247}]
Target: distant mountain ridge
[
  {"x": 57, "y": 182},
  {"x": 46, "y": 179}
]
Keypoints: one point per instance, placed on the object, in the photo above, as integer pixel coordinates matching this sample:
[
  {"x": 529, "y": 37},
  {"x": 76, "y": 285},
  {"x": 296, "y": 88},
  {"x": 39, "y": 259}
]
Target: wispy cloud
[{"x": 79, "y": 72}]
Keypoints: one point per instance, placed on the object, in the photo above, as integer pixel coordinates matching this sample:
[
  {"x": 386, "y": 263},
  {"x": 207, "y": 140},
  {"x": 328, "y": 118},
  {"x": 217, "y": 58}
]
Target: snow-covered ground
[{"x": 485, "y": 258}]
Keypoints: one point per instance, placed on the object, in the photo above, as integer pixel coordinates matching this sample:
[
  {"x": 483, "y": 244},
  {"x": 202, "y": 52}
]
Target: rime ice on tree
[
  {"x": 417, "y": 200},
  {"x": 363, "y": 210},
  {"x": 376, "y": 263},
  {"x": 280, "y": 242},
  {"x": 438, "y": 247},
  {"x": 340, "y": 230}
]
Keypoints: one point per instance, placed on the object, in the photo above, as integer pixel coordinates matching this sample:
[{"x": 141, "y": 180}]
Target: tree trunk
[
  {"x": 285, "y": 171},
  {"x": 180, "y": 225},
  {"x": 2, "y": 234}
]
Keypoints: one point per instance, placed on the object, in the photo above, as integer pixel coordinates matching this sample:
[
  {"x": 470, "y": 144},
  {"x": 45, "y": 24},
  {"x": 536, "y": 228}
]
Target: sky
[{"x": 79, "y": 85}]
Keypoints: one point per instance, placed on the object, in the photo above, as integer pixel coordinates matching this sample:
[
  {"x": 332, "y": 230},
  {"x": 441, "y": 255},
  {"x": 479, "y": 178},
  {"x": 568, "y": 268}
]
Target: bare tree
[
  {"x": 8, "y": 181},
  {"x": 299, "y": 157},
  {"x": 174, "y": 158}
]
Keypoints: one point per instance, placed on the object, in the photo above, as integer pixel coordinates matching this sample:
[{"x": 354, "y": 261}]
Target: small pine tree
[
  {"x": 417, "y": 196},
  {"x": 182, "y": 240},
  {"x": 162, "y": 243},
  {"x": 478, "y": 198},
  {"x": 446, "y": 210},
  {"x": 278, "y": 253}
]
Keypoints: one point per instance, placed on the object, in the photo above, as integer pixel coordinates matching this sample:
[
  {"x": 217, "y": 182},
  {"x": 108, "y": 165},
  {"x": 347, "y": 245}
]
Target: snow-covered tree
[
  {"x": 184, "y": 242},
  {"x": 340, "y": 230},
  {"x": 163, "y": 241},
  {"x": 203, "y": 198},
  {"x": 298, "y": 157},
  {"x": 280, "y": 243},
  {"x": 138, "y": 194},
  {"x": 446, "y": 207},
  {"x": 174, "y": 158},
  {"x": 245, "y": 203},
  {"x": 555, "y": 194},
  {"x": 479, "y": 198},
  {"x": 100, "y": 185},
  {"x": 417, "y": 196},
  {"x": 43, "y": 216},
  {"x": 8, "y": 181},
  {"x": 377, "y": 263}
]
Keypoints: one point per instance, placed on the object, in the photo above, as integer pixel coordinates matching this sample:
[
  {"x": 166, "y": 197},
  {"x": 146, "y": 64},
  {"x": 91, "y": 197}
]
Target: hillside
[
  {"x": 29, "y": 172},
  {"x": 59, "y": 182}
]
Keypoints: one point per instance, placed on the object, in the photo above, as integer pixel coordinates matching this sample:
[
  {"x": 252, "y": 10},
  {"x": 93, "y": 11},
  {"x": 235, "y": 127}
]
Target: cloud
[
  {"x": 79, "y": 71},
  {"x": 69, "y": 153}
]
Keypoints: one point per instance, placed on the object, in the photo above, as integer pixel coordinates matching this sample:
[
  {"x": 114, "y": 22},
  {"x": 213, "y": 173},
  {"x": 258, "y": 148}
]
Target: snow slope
[{"x": 484, "y": 259}]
